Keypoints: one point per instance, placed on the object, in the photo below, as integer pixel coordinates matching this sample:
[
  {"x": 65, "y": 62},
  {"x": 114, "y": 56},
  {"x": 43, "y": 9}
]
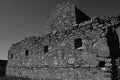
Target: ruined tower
[
  {"x": 77, "y": 48},
  {"x": 64, "y": 16}
]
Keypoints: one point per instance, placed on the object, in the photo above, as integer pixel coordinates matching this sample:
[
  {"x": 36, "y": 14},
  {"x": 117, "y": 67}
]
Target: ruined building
[{"x": 77, "y": 47}]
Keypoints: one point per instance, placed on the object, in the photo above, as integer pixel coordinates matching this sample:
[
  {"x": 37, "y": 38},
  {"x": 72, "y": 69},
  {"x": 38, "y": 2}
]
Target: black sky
[{"x": 22, "y": 18}]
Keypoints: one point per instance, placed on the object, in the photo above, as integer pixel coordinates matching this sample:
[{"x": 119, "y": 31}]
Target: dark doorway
[{"x": 113, "y": 43}]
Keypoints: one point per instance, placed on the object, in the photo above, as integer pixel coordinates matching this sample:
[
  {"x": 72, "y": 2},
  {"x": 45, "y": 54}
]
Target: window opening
[
  {"x": 45, "y": 49},
  {"x": 77, "y": 43},
  {"x": 102, "y": 64},
  {"x": 26, "y": 52},
  {"x": 11, "y": 56}
]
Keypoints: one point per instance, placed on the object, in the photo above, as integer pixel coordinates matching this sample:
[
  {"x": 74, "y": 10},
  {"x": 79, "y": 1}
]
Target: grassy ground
[
  {"x": 13, "y": 78},
  {"x": 20, "y": 78}
]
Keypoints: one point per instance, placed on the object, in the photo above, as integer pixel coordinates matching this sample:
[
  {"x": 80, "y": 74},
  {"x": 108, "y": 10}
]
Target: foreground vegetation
[
  {"x": 20, "y": 78},
  {"x": 13, "y": 78}
]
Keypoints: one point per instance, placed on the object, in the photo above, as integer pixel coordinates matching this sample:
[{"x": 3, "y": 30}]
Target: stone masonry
[{"x": 77, "y": 47}]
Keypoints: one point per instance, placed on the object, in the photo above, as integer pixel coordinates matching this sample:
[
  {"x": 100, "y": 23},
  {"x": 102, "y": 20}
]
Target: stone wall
[{"x": 77, "y": 53}]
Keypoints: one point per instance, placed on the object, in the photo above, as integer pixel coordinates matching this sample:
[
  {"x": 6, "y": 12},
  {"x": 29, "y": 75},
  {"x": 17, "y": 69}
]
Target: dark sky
[{"x": 22, "y": 18}]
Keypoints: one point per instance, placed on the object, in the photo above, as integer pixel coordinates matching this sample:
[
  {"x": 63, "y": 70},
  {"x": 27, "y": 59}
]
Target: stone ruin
[{"x": 76, "y": 48}]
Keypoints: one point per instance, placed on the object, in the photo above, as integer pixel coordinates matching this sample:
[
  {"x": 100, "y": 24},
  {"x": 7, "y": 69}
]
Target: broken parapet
[
  {"x": 112, "y": 20},
  {"x": 81, "y": 51}
]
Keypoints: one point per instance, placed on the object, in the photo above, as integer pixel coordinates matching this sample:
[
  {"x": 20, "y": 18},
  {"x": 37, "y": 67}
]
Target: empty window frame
[
  {"x": 11, "y": 56},
  {"x": 26, "y": 52},
  {"x": 45, "y": 49},
  {"x": 77, "y": 43},
  {"x": 102, "y": 64}
]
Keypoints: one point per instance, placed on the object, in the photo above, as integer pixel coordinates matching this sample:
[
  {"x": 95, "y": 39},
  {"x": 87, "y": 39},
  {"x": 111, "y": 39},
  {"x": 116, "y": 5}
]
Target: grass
[
  {"x": 20, "y": 78},
  {"x": 13, "y": 78}
]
